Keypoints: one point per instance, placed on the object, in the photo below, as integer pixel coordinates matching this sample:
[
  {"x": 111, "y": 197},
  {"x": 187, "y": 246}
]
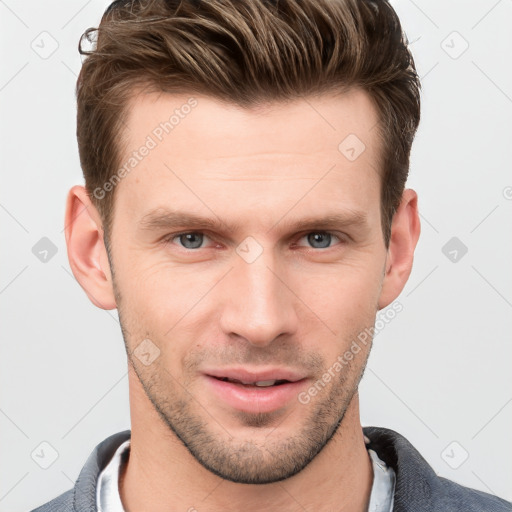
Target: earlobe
[
  {"x": 405, "y": 231},
  {"x": 86, "y": 251}
]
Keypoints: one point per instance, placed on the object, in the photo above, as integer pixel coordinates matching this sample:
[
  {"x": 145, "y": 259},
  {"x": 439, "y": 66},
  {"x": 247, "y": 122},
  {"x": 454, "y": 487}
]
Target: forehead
[
  {"x": 212, "y": 151},
  {"x": 309, "y": 123}
]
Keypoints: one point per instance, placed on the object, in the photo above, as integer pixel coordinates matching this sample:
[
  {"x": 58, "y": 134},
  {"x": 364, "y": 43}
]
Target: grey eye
[
  {"x": 191, "y": 240},
  {"x": 319, "y": 239}
]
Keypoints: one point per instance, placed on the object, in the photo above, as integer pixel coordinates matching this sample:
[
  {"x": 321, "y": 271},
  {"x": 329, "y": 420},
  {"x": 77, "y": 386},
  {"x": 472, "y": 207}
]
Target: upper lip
[{"x": 245, "y": 375}]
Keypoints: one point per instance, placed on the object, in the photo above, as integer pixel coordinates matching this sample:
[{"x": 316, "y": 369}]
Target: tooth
[
  {"x": 261, "y": 383},
  {"x": 264, "y": 383}
]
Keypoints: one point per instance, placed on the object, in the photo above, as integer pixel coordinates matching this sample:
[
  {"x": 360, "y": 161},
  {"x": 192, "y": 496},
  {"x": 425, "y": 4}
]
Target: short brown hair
[{"x": 246, "y": 52}]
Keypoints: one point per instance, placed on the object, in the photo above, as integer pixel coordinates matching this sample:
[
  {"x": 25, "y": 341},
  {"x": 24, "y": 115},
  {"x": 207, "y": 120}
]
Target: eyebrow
[{"x": 169, "y": 219}]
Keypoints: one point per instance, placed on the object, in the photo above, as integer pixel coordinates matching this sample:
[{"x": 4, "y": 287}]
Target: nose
[{"x": 258, "y": 304}]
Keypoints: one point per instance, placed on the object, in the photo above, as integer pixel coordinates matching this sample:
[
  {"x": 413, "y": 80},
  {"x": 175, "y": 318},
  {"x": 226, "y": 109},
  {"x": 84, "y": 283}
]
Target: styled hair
[{"x": 245, "y": 52}]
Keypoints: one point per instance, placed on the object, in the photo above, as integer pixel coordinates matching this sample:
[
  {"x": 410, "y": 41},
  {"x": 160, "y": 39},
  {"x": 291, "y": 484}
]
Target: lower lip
[{"x": 255, "y": 399}]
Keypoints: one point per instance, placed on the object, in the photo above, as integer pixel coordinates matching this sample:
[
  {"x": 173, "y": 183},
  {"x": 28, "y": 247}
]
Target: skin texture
[{"x": 298, "y": 305}]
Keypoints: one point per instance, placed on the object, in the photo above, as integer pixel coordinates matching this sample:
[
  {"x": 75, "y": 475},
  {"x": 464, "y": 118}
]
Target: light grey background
[{"x": 439, "y": 373}]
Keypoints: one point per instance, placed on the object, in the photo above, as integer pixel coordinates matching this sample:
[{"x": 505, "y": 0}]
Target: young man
[{"x": 245, "y": 211}]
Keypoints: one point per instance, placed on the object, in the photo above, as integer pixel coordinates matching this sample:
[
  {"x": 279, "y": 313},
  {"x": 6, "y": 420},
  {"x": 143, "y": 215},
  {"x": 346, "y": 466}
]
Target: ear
[
  {"x": 405, "y": 231},
  {"x": 86, "y": 251}
]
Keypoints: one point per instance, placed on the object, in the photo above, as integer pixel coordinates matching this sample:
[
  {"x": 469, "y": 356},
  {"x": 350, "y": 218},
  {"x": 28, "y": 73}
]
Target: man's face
[{"x": 259, "y": 291}]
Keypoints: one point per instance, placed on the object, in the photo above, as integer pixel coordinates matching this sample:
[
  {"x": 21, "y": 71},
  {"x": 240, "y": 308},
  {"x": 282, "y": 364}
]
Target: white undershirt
[{"x": 109, "y": 500}]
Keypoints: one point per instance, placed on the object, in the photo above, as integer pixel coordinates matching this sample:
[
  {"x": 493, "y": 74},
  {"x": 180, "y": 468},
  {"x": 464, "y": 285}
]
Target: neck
[{"x": 161, "y": 474}]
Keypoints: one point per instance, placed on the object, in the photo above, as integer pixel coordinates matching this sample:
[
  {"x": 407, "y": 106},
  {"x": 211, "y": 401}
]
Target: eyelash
[{"x": 169, "y": 238}]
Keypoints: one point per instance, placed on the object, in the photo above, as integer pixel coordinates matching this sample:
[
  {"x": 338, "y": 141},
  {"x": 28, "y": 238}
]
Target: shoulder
[
  {"x": 418, "y": 487},
  {"x": 453, "y": 496},
  {"x": 83, "y": 495}
]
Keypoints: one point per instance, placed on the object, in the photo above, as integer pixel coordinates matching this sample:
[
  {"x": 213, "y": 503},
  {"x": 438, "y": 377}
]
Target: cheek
[
  {"x": 344, "y": 305},
  {"x": 172, "y": 308},
  {"x": 346, "y": 294},
  {"x": 157, "y": 292}
]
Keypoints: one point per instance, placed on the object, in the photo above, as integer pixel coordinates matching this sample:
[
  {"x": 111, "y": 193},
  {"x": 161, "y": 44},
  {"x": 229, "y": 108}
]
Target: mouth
[
  {"x": 253, "y": 396},
  {"x": 259, "y": 384}
]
